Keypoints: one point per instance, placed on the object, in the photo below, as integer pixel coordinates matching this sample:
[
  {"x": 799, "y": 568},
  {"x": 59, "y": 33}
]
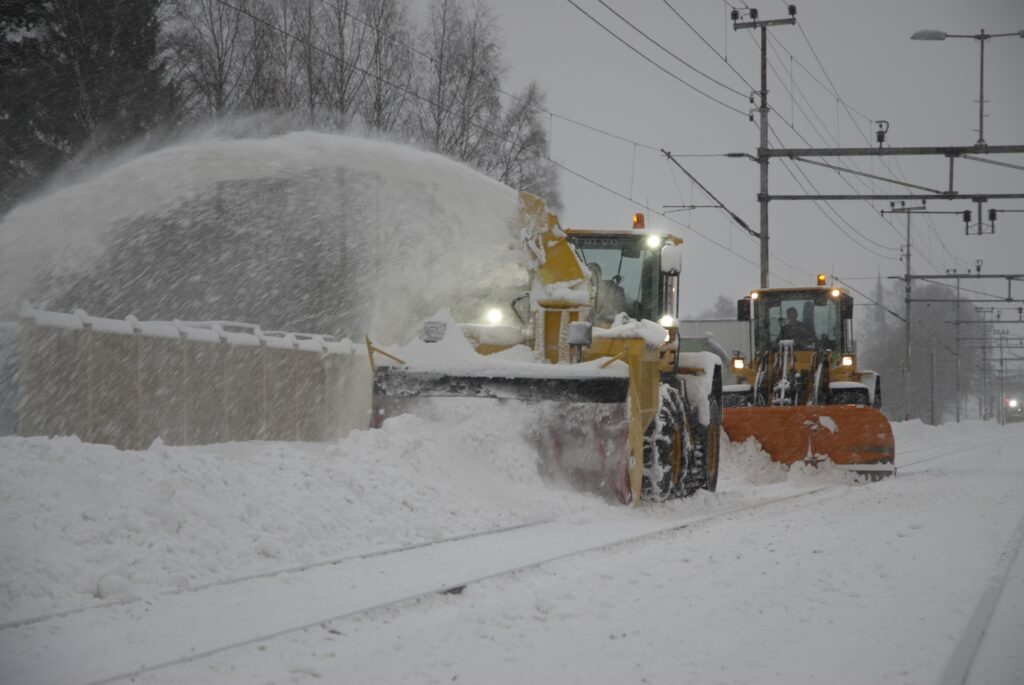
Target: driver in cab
[
  {"x": 610, "y": 296},
  {"x": 796, "y": 330}
]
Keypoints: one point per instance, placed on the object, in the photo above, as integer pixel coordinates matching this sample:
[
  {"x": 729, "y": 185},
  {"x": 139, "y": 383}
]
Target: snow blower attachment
[
  {"x": 611, "y": 404},
  {"x": 802, "y": 396}
]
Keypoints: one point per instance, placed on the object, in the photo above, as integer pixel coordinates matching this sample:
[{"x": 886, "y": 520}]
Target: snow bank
[
  {"x": 84, "y": 524},
  {"x": 844, "y": 569}
]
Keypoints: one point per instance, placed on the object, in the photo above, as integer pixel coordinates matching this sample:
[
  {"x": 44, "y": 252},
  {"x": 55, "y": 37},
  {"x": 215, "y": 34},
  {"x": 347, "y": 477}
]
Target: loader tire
[
  {"x": 708, "y": 447},
  {"x": 663, "y": 450}
]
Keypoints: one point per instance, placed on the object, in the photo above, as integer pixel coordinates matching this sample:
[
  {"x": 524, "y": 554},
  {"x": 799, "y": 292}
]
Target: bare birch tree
[
  {"x": 388, "y": 63},
  {"x": 260, "y": 88},
  {"x": 346, "y": 40},
  {"x": 518, "y": 154},
  {"x": 461, "y": 79},
  {"x": 210, "y": 45},
  {"x": 285, "y": 17},
  {"x": 310, "y": 56}
]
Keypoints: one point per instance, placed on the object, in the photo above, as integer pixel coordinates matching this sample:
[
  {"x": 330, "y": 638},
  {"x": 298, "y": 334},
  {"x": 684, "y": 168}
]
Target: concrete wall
[{"x": 126, "y": 383}]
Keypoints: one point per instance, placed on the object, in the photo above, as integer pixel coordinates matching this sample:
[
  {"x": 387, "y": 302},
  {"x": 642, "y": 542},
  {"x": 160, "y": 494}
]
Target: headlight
[
  {"x": 738, "y": 363},
  {"x": 667, "y": 321},
  {"x": 1013, "y": 403},
  {"x": 653, "y": 241},
  {"x": 835, "y": 292},
  {"x": 494, "y": 315},
  {"x": 847, "y": 360},
  {"x": 754, "y": 295}
]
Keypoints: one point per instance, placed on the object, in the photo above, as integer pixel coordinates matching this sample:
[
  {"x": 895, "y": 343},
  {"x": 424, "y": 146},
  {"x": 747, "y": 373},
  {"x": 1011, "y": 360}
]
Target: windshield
[
  {"x": 625, "y": 272},
  {"x": 809, "y": 319}
]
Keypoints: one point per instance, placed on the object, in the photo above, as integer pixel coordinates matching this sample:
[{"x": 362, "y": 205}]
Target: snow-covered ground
[{"x": 112, "y": 563}]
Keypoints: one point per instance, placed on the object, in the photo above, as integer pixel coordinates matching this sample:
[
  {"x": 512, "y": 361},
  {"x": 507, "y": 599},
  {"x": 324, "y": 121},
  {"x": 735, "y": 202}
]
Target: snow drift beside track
[
  {"x": 83, "y": 524},
  {"x": 305, "y": 231}
]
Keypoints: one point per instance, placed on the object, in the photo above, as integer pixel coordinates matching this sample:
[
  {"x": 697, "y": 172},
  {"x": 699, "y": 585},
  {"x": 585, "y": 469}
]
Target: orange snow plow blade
[{"x": 857, "y": 438}]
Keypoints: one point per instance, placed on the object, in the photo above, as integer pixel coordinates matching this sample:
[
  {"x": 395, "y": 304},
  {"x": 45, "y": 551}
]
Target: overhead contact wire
[{"x": 653, "y": 63}]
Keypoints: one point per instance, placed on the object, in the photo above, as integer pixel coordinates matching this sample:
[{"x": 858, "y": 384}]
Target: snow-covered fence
[{"x": 128, "y": 382}]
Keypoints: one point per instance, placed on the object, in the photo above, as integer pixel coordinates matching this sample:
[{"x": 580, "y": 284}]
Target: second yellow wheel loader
[
  {"x": 616, "y": 407},
  {"x": 802, "y": 395}
]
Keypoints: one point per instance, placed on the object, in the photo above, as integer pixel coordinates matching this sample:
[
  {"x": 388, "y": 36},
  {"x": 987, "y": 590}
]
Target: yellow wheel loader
[
  {"x": 802, "y": 395},
  {"x": 616, "y": 408}
]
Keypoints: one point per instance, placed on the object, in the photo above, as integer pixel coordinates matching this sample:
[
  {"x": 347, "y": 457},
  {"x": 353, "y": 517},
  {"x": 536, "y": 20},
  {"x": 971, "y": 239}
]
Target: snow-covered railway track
[
  {"x": 376, "y": 552},
  {"x": 945, "y": 451},
  {"x": 958, "y": 668},
  {"x": 114, "y": 643},
  {"x": 118, "y": 642}
]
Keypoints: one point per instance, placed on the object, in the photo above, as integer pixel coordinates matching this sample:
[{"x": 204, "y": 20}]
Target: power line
[
  {"x": 732, "y": 214},
  {"x": 773, "y": 255},
  {"x": 655, "y": 64},
  {"x": 365, "y": 72},
  {"x": 551, "y": 114},
  {"x": 831, "y": 90},
  {"x": 818, "y": 60},
  {"x": 963, "y": 288},
  {"x": 927, "y": 256},
  {"x": 511, "y": 96},
  {"x": 652, "y": 210},
  {"x": 838, "y": 215},
  {"x": 829, "y": 205},
  {"x": 790, "y": 124},
  {"x": 869, "y": 299},
  {"x": 669, "y": 52},
  {"x": 834, "y": 91},
  {"x": 928, "y": 330},
  {"x": 833, "y": 221},
  {"x": 711, "y": 47},
  {"x": 993, "y": 161},
  {"x": 481, "y": 127}
]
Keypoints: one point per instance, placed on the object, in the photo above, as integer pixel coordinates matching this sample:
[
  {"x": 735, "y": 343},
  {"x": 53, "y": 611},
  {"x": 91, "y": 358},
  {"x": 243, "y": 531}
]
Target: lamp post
[{"x": 930, "y": 34}]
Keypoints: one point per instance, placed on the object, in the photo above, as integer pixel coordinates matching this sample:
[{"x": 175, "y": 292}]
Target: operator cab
[
  {"x": 813, "y": 318},
  {"x": 636, "y": 273}
]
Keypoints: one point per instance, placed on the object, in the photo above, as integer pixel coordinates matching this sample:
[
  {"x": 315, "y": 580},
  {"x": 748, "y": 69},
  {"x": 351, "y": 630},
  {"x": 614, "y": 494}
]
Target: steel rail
[
  {"x": 456, "y": 586},
  {"x": 369, "y": 554}
]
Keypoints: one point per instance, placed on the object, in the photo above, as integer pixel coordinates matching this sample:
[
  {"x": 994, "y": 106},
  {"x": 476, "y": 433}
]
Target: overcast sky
[{"x": 926, "y": 90}]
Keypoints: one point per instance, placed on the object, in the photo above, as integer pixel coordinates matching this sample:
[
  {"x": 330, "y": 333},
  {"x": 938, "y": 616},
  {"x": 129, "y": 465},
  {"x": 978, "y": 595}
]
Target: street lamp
[{"x": 931, "y": 34}]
